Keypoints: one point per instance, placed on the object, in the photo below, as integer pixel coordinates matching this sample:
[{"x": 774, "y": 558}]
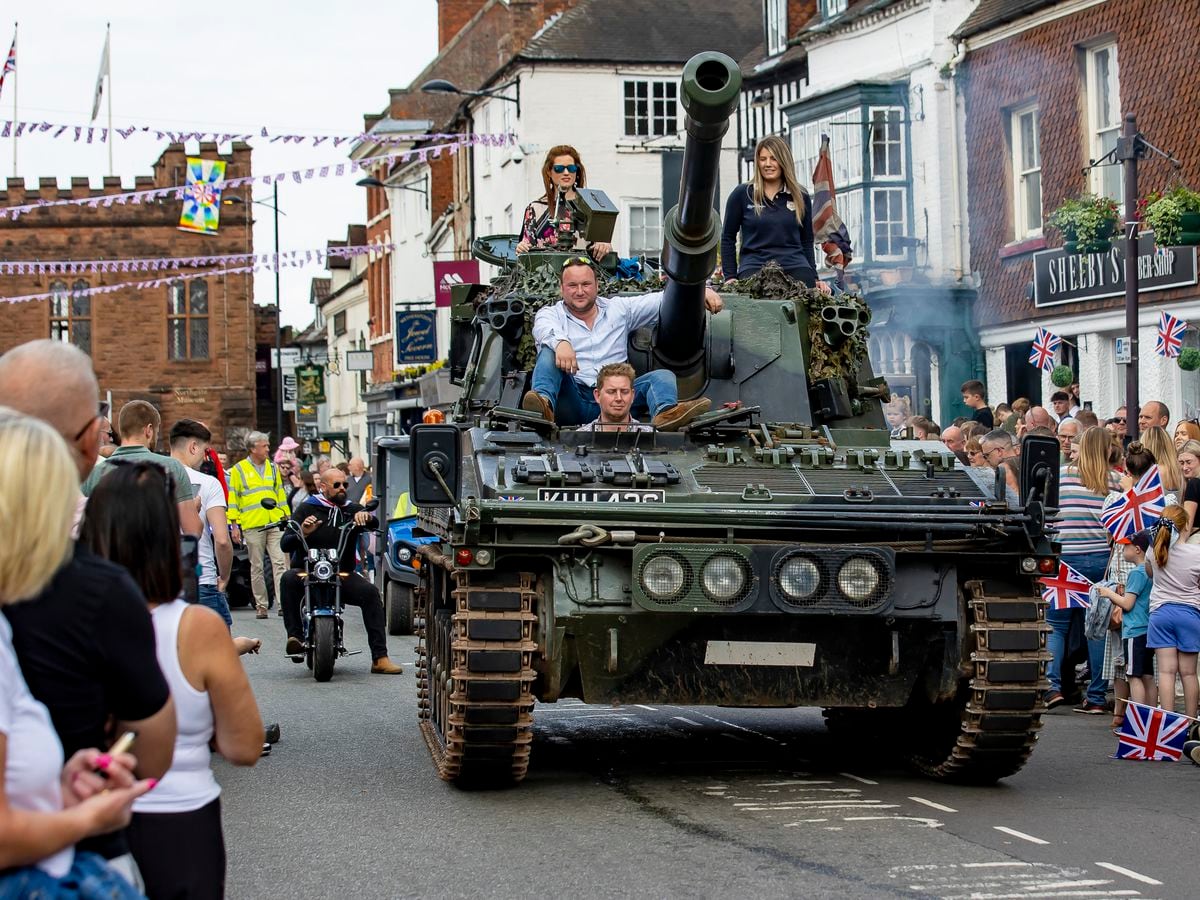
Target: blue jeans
[
  {"x": 217, "y": 602},
  {"x": 575, "y": 404},
  {"x": 1067, "y": 633},
  {"x": 89, "y": 879}
]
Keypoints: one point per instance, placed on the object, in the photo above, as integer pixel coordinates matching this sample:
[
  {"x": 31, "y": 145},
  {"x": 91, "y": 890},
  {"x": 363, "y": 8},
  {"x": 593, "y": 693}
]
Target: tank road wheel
[
  {"x": 476, "y": 677},
  {"x": 988, "y": 730}
]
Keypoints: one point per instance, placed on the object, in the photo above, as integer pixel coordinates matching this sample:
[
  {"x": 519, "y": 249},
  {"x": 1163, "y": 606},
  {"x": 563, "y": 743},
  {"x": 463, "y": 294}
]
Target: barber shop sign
[{"x": 1060, "y": 277}]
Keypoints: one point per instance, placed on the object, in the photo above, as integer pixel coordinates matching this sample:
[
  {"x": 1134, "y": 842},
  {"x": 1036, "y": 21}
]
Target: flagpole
[
  {"x": 1171, "y": 711},
  {"x": 108, "y": 45},
  {"x": 15, "y": 129}
]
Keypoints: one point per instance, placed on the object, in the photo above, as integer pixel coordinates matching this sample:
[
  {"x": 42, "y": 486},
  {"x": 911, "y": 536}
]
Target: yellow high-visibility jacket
[{"x": 247, "y": 490}]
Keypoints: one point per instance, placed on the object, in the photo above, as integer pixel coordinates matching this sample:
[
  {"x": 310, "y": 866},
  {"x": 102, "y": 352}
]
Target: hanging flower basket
[
  {"x": 1087, "y": 223},
  {"x": 1174, "y": 217}
]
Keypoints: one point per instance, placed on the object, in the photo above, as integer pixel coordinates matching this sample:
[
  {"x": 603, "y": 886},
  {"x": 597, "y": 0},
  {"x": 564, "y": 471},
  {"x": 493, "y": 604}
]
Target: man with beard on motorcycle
[{"x": 319, "y": 518}]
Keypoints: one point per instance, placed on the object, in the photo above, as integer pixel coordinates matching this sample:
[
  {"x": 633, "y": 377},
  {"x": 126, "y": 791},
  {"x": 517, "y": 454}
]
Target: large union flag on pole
[
  {"x": 1124, "y": 515},
  {"x": 1066, "y": 590},
  {"x": 1170, "y": 335},
  {"x": 10, "y": 62},
  {"x": 1151, "y": 733},
  {"x": 828, "y": 229}
]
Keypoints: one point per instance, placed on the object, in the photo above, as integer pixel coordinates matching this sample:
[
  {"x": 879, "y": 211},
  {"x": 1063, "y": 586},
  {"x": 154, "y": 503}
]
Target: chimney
[{"x": 452, "y": 16}]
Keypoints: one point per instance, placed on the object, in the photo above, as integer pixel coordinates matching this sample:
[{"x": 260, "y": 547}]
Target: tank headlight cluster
[
  {"x": 831, "y": 578},
  {"x": 665, "y": 577},
  {"x": 724, "y": 578}
]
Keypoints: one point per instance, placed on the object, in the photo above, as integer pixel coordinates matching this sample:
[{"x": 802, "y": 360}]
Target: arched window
[
  {"x": 187, "y": 319},
  {"x": 71, "y": 314}
]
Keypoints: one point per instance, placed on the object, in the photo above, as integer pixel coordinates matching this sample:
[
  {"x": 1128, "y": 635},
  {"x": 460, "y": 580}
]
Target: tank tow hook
[{"x": 894, "y": 662}]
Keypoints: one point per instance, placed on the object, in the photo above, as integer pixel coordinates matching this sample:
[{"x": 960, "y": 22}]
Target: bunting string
[
  {"x": 299, "y": 176},
  {"x": 170, "y": 263},
  {"x": 93, "y": 134}
]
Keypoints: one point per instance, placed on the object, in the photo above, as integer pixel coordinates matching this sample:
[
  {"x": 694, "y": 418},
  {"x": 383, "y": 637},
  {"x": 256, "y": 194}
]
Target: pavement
[{"x": 658, "y": 801}]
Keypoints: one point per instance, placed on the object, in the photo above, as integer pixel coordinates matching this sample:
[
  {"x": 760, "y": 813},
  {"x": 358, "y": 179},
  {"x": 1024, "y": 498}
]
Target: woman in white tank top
[{"x": 176, "y": 836}]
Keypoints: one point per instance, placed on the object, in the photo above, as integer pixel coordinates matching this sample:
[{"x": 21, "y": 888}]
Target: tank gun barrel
[{"x": 692, "y": 229}]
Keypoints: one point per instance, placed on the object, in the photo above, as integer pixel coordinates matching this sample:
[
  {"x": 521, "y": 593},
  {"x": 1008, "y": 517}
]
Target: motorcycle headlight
[
  {"x": 663, "y": 577},
  {"x": 323, "y": 570}
]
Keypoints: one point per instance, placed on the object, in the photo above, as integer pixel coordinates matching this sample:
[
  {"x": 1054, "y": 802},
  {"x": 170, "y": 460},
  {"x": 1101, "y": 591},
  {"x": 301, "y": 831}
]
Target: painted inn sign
[{"x": 1060, "y": 277}]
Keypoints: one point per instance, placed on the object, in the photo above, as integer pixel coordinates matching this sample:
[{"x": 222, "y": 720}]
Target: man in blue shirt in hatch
[{"x": 583, "y": 332}]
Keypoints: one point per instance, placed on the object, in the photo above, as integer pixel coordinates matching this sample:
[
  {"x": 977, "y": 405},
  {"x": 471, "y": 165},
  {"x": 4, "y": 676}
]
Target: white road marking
[
  {"x": 992, "y": 865},
  {"x": 821, "y": 808},
  {"x": 689, "y": 721},
  {"x": 928, "y": 823},
  {"x": 856, "y": 778},
  {"x": 741, "y": 728},
  {"x": 1020, "y": 834},
  {"x": 1128, "y": 873},
  {"x": 789, "y": 783},
  {"x": 643, "y": 706},
  {"x": 799, "y": 822},
  {"x": 933, "y": 805}
]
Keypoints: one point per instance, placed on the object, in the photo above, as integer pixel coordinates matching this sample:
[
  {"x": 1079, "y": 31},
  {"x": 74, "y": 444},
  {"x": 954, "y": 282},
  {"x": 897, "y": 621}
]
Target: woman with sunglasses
[
  {"x": 773, "y": 214},
  {"x": 549, "y": 215}
]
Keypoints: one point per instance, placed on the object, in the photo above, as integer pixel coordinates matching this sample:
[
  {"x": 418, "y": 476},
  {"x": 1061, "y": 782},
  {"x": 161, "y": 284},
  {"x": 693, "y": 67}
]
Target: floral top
[{"x": 537, "y": 227}]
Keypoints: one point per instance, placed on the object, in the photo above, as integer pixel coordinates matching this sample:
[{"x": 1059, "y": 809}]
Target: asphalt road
[{"x": 678, "y": 802}]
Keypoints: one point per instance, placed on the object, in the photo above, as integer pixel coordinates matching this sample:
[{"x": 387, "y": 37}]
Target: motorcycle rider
[{"x": 319, "y": 518}]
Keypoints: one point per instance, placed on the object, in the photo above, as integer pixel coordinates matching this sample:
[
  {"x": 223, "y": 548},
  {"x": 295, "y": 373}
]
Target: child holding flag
[
  {"x": 1135, "y": 605},
  {"x": 1174, "y": 629}
]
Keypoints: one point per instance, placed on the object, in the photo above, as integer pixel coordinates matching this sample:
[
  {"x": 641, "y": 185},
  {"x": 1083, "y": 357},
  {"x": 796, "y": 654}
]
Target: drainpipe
[{"x": 957, "y": 222}]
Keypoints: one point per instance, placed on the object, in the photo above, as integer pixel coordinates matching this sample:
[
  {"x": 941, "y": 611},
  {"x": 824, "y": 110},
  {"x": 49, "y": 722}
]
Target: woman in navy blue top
[{"x": 774, "y": 215}]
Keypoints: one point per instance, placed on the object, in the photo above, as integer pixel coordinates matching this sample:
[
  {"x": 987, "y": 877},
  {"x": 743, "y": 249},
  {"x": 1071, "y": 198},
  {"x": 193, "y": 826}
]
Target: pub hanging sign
[{"x": 1060, "y": 277}]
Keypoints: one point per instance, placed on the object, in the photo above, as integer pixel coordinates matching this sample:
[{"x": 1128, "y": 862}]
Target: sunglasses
[
  {"x": 337, "y": 484},
  {"x": 571, "y": 168},
  {"x": 577, "y": 261}
]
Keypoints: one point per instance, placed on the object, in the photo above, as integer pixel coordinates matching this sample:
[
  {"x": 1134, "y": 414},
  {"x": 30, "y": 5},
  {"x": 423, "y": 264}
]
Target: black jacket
[{"x": 326, "y": 536}]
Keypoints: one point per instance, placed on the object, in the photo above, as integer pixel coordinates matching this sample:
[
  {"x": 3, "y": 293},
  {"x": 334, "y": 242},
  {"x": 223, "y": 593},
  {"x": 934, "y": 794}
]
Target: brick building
[
  {"x": 1047, "y": 85},
  {"x": 186, "y": 347}
]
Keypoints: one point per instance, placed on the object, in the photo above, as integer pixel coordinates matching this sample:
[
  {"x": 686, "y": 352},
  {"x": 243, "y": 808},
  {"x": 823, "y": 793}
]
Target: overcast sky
[{"x": 298, "y": 66}]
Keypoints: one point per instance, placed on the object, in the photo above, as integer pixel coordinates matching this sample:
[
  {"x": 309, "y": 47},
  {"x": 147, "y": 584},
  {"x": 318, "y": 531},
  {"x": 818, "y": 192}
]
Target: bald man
[
  {"x": 953, "y": 438},
  {"x": 1153, "y": 414},
  {"x": 1039, "y": 417},
  {"x": 358, "y": 482}
]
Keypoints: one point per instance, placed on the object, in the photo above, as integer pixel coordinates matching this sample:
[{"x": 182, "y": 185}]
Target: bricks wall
[
  {"x": 1159, "y": 81},
  {"x": 129, "y": 328},
  {"x": 453, "y": 15}
]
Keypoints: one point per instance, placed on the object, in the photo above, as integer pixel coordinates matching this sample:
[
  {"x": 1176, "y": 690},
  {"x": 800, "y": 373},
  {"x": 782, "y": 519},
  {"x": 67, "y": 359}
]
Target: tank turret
[{"x": 692, "y": 229}]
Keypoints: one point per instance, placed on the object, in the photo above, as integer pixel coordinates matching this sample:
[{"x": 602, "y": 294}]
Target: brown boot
[
  {"x": 535, "y": 403},
  {"x": 384, "y": 666},
  {"x": 675, "y": 417}
]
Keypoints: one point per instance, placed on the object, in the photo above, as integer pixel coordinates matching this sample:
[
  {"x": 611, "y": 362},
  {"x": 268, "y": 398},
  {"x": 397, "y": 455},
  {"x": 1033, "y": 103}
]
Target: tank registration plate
[
  {"x": 759, "y": 653},
  {"x": 560, "y": 495}
]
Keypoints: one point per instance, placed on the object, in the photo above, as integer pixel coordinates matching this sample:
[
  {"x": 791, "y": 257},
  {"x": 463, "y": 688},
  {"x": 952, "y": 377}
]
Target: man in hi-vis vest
[{"x": 250, "y": 482}]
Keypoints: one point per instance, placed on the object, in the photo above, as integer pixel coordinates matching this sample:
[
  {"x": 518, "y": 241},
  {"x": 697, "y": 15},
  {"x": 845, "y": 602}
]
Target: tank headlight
[
  {"x": 723, "y": 577},
  {"x": 664, "y": 577},
  {"x": 483, "y": 557},
  {"x": 1028, "y": 565},
  {"x": 858, "y": 579},
  {"x": 323, "y": 570},
  {"x": 404, "y": 555},
  {"x": 799, "y": 578}
]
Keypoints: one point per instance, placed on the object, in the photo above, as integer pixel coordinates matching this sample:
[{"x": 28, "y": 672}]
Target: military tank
[{"x": 779, "y": 551}]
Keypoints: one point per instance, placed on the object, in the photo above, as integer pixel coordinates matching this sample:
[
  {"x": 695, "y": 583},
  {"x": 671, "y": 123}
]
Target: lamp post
[
  {"x": 441, "y": 86},
  {"x": 373, "y": 182}
]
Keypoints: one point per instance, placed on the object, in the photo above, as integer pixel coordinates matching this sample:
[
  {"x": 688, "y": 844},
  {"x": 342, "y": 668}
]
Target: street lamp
[
  {"x": 373, "y": 182},
  {"x": 274, "y": 206},
  {"x": 441, "y": 86}
]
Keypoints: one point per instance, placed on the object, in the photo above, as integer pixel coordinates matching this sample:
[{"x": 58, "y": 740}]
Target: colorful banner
[
  {"x": 88, "y": 134},
  {"x": 201, "y": 211},
  {"x": 286, "y": 258},
  {"x": 451, "y": 272}
]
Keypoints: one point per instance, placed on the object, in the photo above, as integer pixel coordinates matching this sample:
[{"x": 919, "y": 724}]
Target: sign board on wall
[
  {"x": 289, "y": 391},
  {"x": 1060, "y": 277},
  {"x": 451, "y": 272},
  {"x": 360, "y": 360},
  {"x": 416, "y": 337},
  {"x": 310, "y": 382}
]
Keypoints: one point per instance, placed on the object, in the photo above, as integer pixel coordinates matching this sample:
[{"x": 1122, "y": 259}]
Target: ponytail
[{"x": 1174, "y": 519}]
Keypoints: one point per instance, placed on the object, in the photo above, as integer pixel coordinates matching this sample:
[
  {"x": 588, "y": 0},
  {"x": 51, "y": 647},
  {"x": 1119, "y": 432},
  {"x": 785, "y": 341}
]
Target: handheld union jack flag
[
  {"x": 1151, "y": 733},
  {"x": 1170, "y": 335},
  {"x": 1066, "y": 590},
  {"x": 1124, "y": 515},
  {"x": 1045, "y": 345}
]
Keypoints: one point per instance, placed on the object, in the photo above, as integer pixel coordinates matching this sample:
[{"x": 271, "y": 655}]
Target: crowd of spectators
[{"x": 1151, "y": 580}]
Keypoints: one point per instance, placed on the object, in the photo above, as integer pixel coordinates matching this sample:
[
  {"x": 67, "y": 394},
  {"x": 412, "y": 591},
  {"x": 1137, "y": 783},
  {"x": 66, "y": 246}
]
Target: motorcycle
[{"x": 322, "y": 609}]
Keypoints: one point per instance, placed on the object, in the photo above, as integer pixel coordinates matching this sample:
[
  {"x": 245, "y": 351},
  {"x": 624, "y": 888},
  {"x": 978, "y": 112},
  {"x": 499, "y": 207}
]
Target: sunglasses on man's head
[
  {"x": 576, "y": 261},
  {"x": 571, "y": 168}
]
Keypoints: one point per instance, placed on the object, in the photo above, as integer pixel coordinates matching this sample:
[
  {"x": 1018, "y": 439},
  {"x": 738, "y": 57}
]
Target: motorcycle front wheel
[{"x": 324, "y": 644}]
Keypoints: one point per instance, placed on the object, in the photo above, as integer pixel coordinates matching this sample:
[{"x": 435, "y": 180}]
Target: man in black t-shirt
[{"x": 974, "y": 395}]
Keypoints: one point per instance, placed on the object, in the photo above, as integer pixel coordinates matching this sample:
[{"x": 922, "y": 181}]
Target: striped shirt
[{"x": 1079, "y": 527}]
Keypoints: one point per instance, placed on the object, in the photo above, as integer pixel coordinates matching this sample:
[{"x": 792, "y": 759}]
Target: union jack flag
[
  {"x": 1124, "y": 515},
  {"x": 1170, "y": 335},
  {"x": 10, "y": 63},
  {"x": 829, "y": 230},
  {"x": 1151, "y": 733},
  {"x": 1045, "y": 345},
  {"x": 1066, "y": 590}
]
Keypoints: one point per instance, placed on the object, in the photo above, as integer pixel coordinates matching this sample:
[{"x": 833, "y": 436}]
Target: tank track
[
  {"x": 988, "y": 731},
  {"x": 475, "y": 671}
]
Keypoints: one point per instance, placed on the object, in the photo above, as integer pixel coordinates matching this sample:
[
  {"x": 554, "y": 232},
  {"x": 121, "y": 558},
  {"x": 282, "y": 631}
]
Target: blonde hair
[
  {"x": 1157, "y": 441},
  {"x": 38, "y": 498},
  {"x": 1093, "y": 465},
  {"x": 778, "y": 148},
  {"x": 1192, "y": 447},
  {"x": 1178, "y": 517}
]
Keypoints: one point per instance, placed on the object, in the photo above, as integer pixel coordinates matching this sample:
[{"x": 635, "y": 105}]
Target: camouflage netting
[
  {"x": 827, "y": 359},
  {"x": 541, "y": 287}
]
